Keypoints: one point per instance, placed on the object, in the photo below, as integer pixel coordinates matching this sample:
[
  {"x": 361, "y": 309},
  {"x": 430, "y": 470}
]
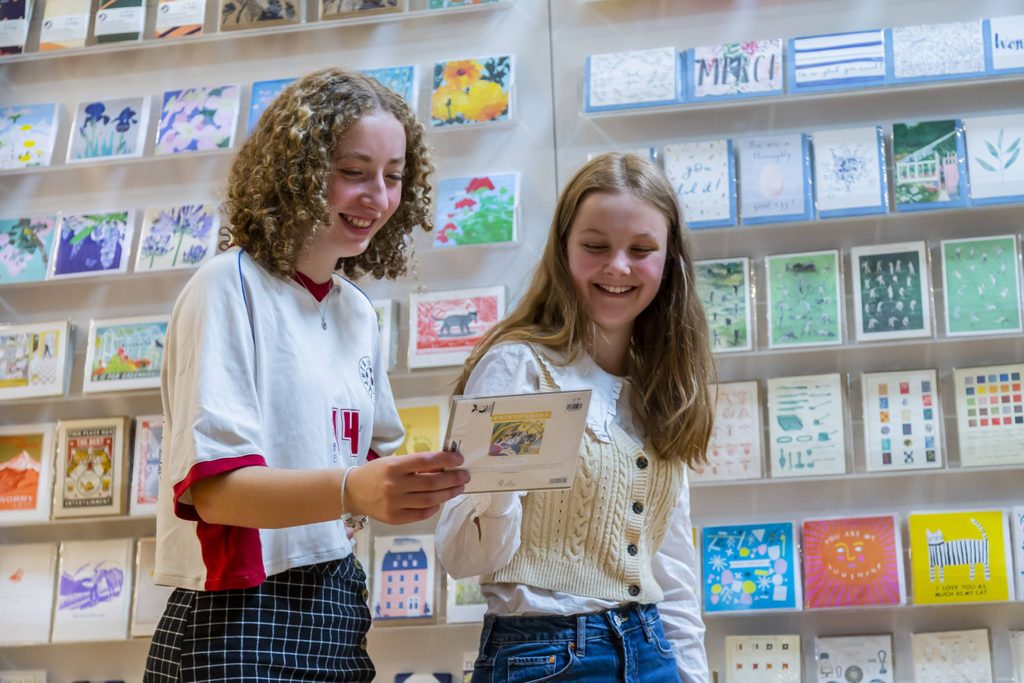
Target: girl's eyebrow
[{"x": 360, "y": 156}]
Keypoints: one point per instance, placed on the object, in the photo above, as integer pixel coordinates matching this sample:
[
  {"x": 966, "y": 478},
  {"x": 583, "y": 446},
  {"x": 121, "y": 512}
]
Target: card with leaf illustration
[
  {"x": 91, "y": 467},
  {"x": 445, "y": 326},
  {"x": 345, "y": 9},
  {"x": 26, "y": 479},
  {"x": 466, "y": 604},
  {"x": 864, "y": 658},
  {"x": 403, "y": 80},
  {"x": 177, "y": 237},
  {"x": 990, "y": 414},
  {"x": 35, "y": 359},
  {"x": 27, "y": 134},
  {"x": 119, "y": 21},
  {"x": 735, "y": 450},
  {"x": 65, "y": 24},
  {"x": 263, "y": 93},
  {"x": 902, "y": 420},
  {"x": 15, "y": 16},
  {"x": 724, "y": 287},
  {"x": 476, "y": 210},
  {"x": 807, "y": 425},
  {"x": 703, "y": 175},
  {"x": 1004, "y": 44},
  {"x": 994, "y": 158},
  {"x": 836, "y": 61},
  {"x": 629, "y": 80},
  {"x": 403, "y": 578},
  {"x": 200, "y": 119},
  {"x": 27, "y": 578},
  {"x": 179, "y": 18},
  {"x": 891, "y": 291},
  {"x": 961, "y": 656},
  {"x": 145, "y": 469},
  {"x": 775, "y": 179},
  {"x": 850, "y": 178},
  {"x": 424, "y": 419},
  {"x": 249, "y": 14},
  {"x": 124, "y": 353},
  {"x": 387, "y": 326},
  {"x": 472, "y": 91},
  {"x": 928, "y": 52},
  {"x": 750, "y": 567},
  {"x": 928, "y": 165},
  {"x": 26, "y": 245},
  {"x": 762, "y": 659},
  {"x": 728, "y": 70},
  {"x": 805, "y": 296},
  {"x": 149, "y": 600},
  {"x": 93, "y": 244},
  {"x": 981, "y": 285},
  {"x": 108, "y": 128},
  {"x": 93, "y": 590}
]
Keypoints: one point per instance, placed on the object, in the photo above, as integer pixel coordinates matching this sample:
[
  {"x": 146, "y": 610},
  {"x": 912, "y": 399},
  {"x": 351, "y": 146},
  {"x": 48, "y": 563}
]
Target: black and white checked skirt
[{"x": 305, "y": 624}]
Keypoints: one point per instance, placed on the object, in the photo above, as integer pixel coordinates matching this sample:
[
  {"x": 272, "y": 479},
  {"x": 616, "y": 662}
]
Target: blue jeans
[{"x": 626, "y": 644}]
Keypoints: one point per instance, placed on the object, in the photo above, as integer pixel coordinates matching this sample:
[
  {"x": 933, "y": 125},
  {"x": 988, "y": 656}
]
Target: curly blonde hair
[
  {"x": 277, "y": 187},
  {"x": 669, "y": 362}
]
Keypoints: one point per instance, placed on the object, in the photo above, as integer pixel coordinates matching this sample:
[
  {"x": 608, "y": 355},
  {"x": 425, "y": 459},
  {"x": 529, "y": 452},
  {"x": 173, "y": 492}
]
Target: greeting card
[
  {"x": 124, "y": 353},
  {"x": 735, "y": 450},
  {"x": 806, "y": 418},
  {"x": 91, "y": 471},
  {"x": 804, "y": 299},
  {"x": 93, "y": 244},
  {"x": 990, "y": 414},
  {"x": 981, "y": 285},
  {"x": 854, "y": 658},
  {"x": 762, "y": 659},
  {"x": 119, "y": 21},
  {"x": 960, "y": 656},
  {"x": 1004, "y": 44},
  {"x": 263, "y": 93},
  {"x": 236, "y": 14},
  {"x": 465, "y": 601},
  {"x": 177, "y": 237},
  {"x": 387, "y": 327},
  {"x": 403, "y": 578},
  {"x": 26, "y": 458},
  {"x": 179, "y": 18},
  {"x": 424, "y": 420},
  {"x": 25, "y": 248},
  {"x": 891, "y": 292},
  {"x": 342, "y": 9},
  {"x": 14, "y": 18},
  {"x": 853, "y": 562},
  {"x": 23, "y": 676},
  {"x": 145, "y": 470},
  {"x": 34, "y": 359},
  {"x": 65, "y": 24},
  {"x": 108, "y": 128},
  {"x": 993, "y": 158},
  {"x": 775, "y": 179},
  {"x": 902, "y": 420},
  {"x": 150, "y": 599},
  {"x": 626, "y": 80},
  {"x": 849, "y": 172},
  {"x": 704, "y": 177},
  {"x": 725, "y": 292},
  {"x": 27, "y": 576},
  {"x": 749, "y": 69},
  {"x": 476, "y": 210},
  {"x": 402, "y": 80},
  {"x": 197, "y": 119},
  {"x": 27, "y": 132},
  {"x": 471, "y": 91},
  {"x": 936, "y": 51},
  {"x": 928, "y": 163},
  {"x": 837, "y": 61},
  {"x": 445, "y": 326},
  {"x": 1017, "y": 538},
  {"x": 958, "y": 557},
  {"x": 750, "y": 567},
  {"x": 93, "y": 591}
]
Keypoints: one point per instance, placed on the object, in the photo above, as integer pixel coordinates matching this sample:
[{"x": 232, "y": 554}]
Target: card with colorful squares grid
[
  {"x": 990, "y": 414},
  {"x": 902, "y": 420},
  {"x": 762, "y": 659}
]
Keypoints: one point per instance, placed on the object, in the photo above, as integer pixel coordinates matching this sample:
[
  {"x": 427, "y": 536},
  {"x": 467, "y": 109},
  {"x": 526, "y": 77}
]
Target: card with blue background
[
  {"x": 836, "y": 61},
  {"x": 750, "y": 567}
]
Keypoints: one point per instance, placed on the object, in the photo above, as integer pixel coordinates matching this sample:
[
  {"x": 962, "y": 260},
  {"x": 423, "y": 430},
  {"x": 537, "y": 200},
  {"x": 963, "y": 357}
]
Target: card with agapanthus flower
[
  {"x": 177, "y": 237},
  {"x": 107, "y": 128},
  {"x": 476, "y": 210},
  {"x": 200, "y": 119},
  {"x": 26, "y": 135},
  {"x": 471, "y": 91}
]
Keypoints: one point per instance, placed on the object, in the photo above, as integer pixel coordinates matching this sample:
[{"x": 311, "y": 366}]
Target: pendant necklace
[{"x": 322, "y": 311}]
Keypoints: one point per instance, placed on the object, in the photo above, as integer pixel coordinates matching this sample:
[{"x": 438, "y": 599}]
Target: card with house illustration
[
  {"x": 476, "y": 210},
  {"x": 424, "y": 420},
  {"x": 387, "y": 327},
  {"x": 1004, "y": 44},
  {"x": 445, "y": 326},
  {"x": 65, "y": 24},
  {"x": 35, "y": 359},
  {"x": 119, "y": 21},
  {"x": 91, "y": 467},
  {"x": 891, "y": 291},
  {"x": 852, "y": 562},
  {"x": 861, "y": 658},
  {"x": 805, "y": 296},
  {"x": 124, "y": 353},
  {"x": 902, "y": 420},
  {"x": 634, "y": 79},
  {"x": 177, "y": 237},
  {"x": 15, "y": 16},
  {"x": 108, "y": 128},
  {"x": 981, "y": 285},
  {"x": 775, "y": 179},
  {"x": 27, "y": 133},
  {"x": 961, "y": 656},
  {"x": 472, "y": 91},
  {"x": 94, "y": 588},
  {"x": 255, "y": 14},
  {"x": 1017, "y": 538},
  {"x": 994, "y": 162},
  {"x": 200, "y": 119},
  {"x": 928, "y": 165},
  {"x": 179, "y": 18},
  {"x": 347, "y": 9},
  {"x": 750, "y": 567},
  {"x": 403, "y": 578},
  {"x": 26, "y": 479},
  {"x": 747, "y": 69},
  {"x": 725, "y": 290},
  {"x": 704, "y": 177},
  {"x": 466, "y": 604},
  {"x": 931, "y": 52},
  {"x": 26, "y": 244},
  {"x": 850, "y": 178},
  {"x": 960, "y": 557},
  {"x": 762, "y": 659},
  {"x": 145, "y": 469},
  {"x": 263, "y": 93},
  {"x": 990, "y": 414},
  {"x": 736, "y": 447},
  {"x": 836, "y": 61},
  {"x": 27, "y": 579},
  {"x": 91, "y": 244},
  {"x": 149, "y": 599},
  {"x": 806, "y": 425},
  {"x": 403, "y": 80}
]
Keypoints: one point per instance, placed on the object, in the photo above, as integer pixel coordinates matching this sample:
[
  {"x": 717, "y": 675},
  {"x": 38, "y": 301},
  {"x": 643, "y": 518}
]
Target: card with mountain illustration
[
  {"x": 990, "y": 414},
  {"x": 724, "y": 288},
  {"x": 806, "y": 425},
  {"x": 902, "y": 420},
  {"x": 704, "y": 177},
  {"x": 981, "y": 285},
  {"x": 93, "y": 590},
  {"x": 26, "y": 461},
  {"x": 750, "y": 567},
  {"x": 892, "y": 291},
  {"x": 852, "y": 562},
  {"x": 735, "y": 450}
]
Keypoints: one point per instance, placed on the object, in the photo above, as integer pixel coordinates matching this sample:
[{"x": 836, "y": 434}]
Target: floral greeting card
[
  {"x": 476, "y": 210},
  {"x": 177, "y": 237},
  {"x": 197, "y": 119},
  {"x": 471, "y": 91},
  {"x": 26, "y": 246},
  {"x": 993, "y": 158},
  {"x": 27, "y": 134},
  {"x": 105, "y": 129},
  {"x": 849, "y": 172},
  {"x": 93, "y": 244}
]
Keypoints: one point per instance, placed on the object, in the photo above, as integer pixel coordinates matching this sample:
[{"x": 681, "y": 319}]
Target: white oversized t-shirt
[{"x": 251, "y": 379}]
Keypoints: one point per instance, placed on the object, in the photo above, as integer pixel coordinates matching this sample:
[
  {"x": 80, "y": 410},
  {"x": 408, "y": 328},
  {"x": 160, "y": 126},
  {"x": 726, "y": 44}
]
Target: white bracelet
[{"x": 354, "y": 522}]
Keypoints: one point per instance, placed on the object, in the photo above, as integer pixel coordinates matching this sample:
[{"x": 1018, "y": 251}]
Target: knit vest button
[
  {"x": 634, "y": 591},
  {"x": 632, "y": 549},
  {"x": 641, "y": 462},
  {"x": 638, "y": 507}
]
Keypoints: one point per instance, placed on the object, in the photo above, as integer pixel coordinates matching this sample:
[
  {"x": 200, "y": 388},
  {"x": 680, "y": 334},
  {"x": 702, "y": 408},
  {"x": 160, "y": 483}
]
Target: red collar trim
[{"x": 319, "y": 290}]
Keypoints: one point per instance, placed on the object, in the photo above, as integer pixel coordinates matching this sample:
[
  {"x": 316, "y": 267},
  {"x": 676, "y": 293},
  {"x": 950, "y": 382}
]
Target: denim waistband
[{"x": 507, "y": 629}]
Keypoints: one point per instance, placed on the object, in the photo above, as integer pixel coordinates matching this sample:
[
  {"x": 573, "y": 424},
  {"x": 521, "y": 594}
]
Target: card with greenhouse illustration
[
  {"x": 198, "y": 119},
  {"x": 836, "y": 61},
  {"x": 807, "y": 425},
  {"x": 627, "y": 80},
  {"x": 177, "y": 237},
  {"x": 471, "y": 91},
  {"x": 26, "y": 245},
  {"x": 1005, "y": 44},
  {"x": 775, "y": 179},
  {"x": 936, "y": 51},
  {"x": 891, "y": 292},
  {"x": 981, "y": 285},
  {"x": 735, "y": 450},
  {"x": 902, "y": 420},
  {"x": 928, "y": 165},
  {"x": 476, "y": 210},
  {"x": 263, "y": 93},
  {"x": 704, "y": 177},
  {"x": 994, "y": 161},
  {"x": 399, "y": 79},
  {"x": 340, "y": 9},
  {"x": 750, "y": 567},
  {"x": 990, "y": 414},
  {"x": 243, "y": 14},
  {"x": 93, "y": 244},
  {"x": 145, "y": 470},
  {"x": 852, "y": 562},
  {"x": 961, "y": 656},
  {"x": 26, "y": 591},
  {"x": 14, "y": 17},
  {"x": 104, "y": 129},
  {"x": 26, "y": 459},
  {"x": 724, "y": 289},
  {"x": 27, "y": 133},
  {"x": 748, "y": 69},
  {"x": 870, "y": 656},
  {"x": 849, "y": 172},
  {"x": 34, "y": 359},
  {"x": 445, "y": 326},
  {"x": 805, "y": 299},
  {"x": 93, "y": 590},
  {"x": 124, "y": 353}
]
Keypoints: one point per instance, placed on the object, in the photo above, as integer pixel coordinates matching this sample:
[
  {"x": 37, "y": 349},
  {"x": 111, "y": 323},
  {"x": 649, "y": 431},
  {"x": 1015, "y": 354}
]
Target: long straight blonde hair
[{"x": 669, "y": 363}]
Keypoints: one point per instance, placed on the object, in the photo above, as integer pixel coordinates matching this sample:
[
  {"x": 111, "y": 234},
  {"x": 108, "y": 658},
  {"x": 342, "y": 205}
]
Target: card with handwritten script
[
  {"x": 775, "y": 179},
  {"x": 627, "y": 80},
  {"x": 836, "y": 61},
  {"x": 1004, "y": 44},
  {"x": 704, "y": 177},
  {"x": 728, "y": 70}
]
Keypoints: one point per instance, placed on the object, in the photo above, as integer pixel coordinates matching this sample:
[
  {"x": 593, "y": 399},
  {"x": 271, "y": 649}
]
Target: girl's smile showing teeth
[
  {"x": 612, "y": 289},
  {"x": 361, "y": 223}
]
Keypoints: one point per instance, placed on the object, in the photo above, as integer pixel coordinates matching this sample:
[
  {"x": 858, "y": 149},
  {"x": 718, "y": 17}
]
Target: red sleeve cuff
[
  {"x": 371, "y": 455},
  {"x": 209, "y": 468}
]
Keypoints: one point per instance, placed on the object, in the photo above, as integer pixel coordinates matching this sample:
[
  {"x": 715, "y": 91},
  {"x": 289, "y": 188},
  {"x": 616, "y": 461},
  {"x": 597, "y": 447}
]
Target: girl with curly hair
[
  {"x": 276, "y": 401},
  {"x": 598, "y": 583}
]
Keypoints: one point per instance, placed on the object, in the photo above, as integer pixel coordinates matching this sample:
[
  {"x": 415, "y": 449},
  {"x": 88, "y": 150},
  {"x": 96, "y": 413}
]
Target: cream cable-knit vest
[{"x": 598, "y": 538}]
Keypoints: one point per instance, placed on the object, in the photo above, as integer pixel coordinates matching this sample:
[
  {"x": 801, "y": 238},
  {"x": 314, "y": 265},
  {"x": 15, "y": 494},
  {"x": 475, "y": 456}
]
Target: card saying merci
[{"x": 523, "y": 442}]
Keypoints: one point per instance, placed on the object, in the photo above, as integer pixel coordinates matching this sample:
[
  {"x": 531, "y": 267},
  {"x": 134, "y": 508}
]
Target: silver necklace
[{"x": 321, "y": 311}]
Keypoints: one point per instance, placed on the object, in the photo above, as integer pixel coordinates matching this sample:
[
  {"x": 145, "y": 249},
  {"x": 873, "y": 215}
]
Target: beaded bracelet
[{"x": 352, "y": 521}]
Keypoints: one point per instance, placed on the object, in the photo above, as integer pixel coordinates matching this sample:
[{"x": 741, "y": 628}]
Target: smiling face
[{"x": 616, "y": 250}]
